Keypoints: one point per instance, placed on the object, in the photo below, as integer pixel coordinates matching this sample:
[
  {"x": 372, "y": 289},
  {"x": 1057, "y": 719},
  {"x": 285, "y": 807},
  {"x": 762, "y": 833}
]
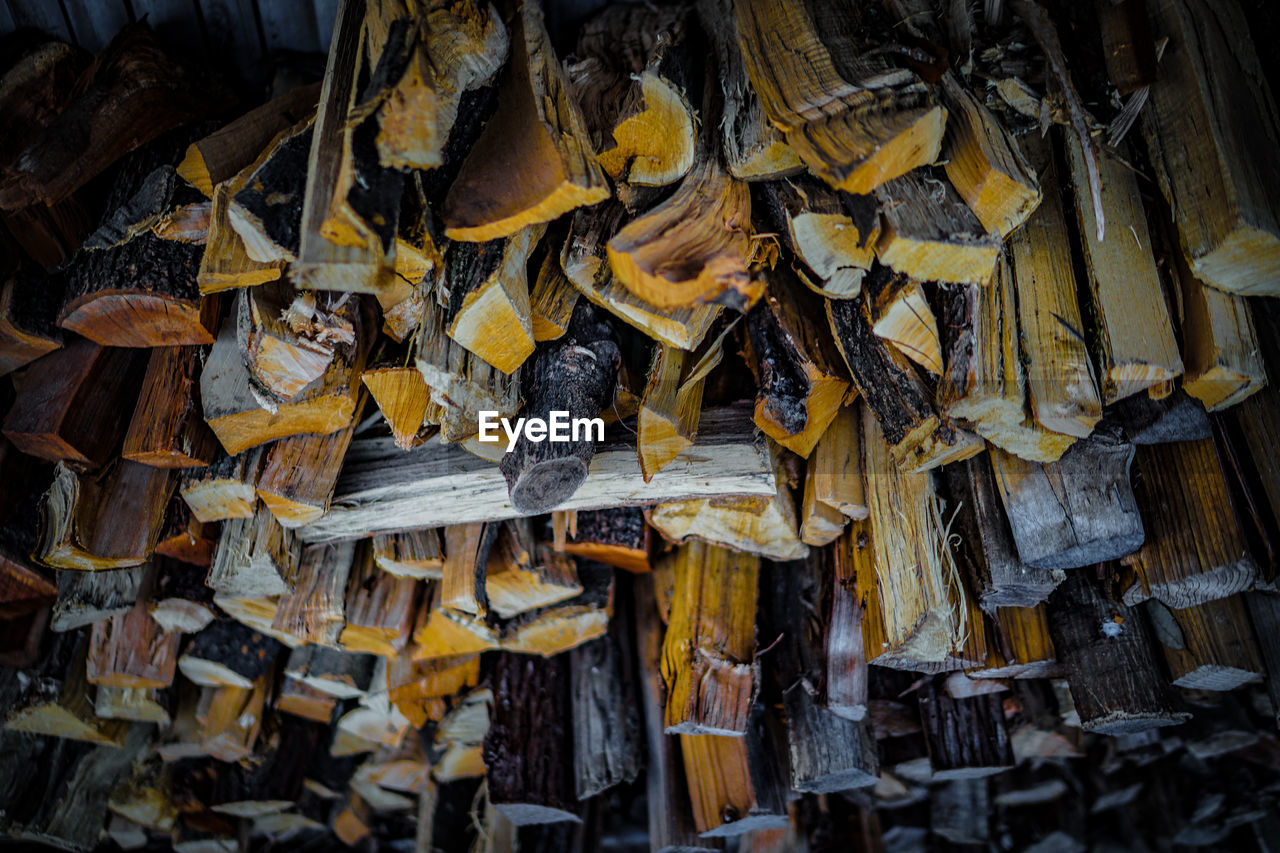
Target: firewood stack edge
[{"x": 936, "y": 501}]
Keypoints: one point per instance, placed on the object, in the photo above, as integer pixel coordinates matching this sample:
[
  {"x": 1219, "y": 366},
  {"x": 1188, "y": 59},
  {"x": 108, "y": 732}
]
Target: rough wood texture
[
  {"x": 539, "y": 126},
  {"x": 288, "y": 338},
  {"x": 930, "y": 234},
  {"x": 735, "y": 783},
  {"x": 1209, "y": 646},
  {"x": 255, "y": 558},
  {"x": 1105, "y": 648},
  {"x": 856, "y": 118},
  {"x": 1210, "y": 110},
  {"x": 901, "y": 314},
  {"x": 966, "y": 738},
  {"x": 845, "y": 677},
  {"x": 226, "y": 264},
  {"x": 132, "y": 650},
  {"x": 834, "y": 476},
  {"x": 29, "y": 303},
  {"x": 264, "y": 204},
  {"x": 225, "y": 489},
  {"x": 616, "y": 537},
  {"x": 55, "y": 698},
  {"x": 832, "y": 236},
  {"x": 1074, "y": 512},
  {"x": 1264, "y": 615},
  {"x": 88, "y": 597},
  {"x": 167, "y": 430},
  {"x": 671, "y": 405},
  {"x": 410, "y": 553},
  {"x": 380, "y": 608},
  {"x": 299, "y": 473},
  {"x": 606, "y": 714},
  {"x": 708, "y": 653},
  {"x": 402, "y": 396},
  {"x": 228, "y": 653},
  {"x": 1194, "y": 550},
  {"x": 1022, "y": 647},
  {"x": 313, "y": 611},
  {"x": 489, "y": 307}
]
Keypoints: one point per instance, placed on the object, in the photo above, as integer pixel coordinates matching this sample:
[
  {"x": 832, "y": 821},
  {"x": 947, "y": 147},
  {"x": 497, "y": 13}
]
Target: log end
[{"x": 545, "y": 485}]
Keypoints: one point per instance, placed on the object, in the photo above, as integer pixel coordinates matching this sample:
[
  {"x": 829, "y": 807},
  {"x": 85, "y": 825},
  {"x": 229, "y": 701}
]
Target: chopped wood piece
[
  {"x": 184, "y": 538},
  {"x": 930, "y": 234},
  {"x": 845, "y": 677},
  {"x": 552, "y": 299},
  {"x": 574, "y": 374},
  {"x": 985, "y": 382},
  {"x": 180, "y": 601},
  {"x": 29, "y": 303},
  {"x": 616, "y": 537},
  {"x": 233, "y": 410},
  {"x": 264, "y": 205},
  {"x": 559, "y": 627},
  {"x": 137, "y": 704},
  {"x": 332, "y": 671},
  {"x": 55, "y": 699},
  {"x": 900, "y": 314},
  {"x": 1194, "y": 550},
  {"x": 918, "y": 614},
  {"x": 1207, "y": 114},
  {"x": 489, "y": 306},
  {"x": 380, "y": 608},
  {"x": 74, "y": 404},
  {"x": 856, "y": 117},
  {"x": 521, "y": 574},
  {"x": 167, "y": 430},
  {"x": 223, "y": 153},
  {"x": 1137, "y": 350},
  {"x": 833, "y": 236},
  {"x": 606, "y": 720},
  {"x": 24, "y": 588},
  {"x": 630, "y": 72},
  {"x": 132, "y": 649},
  {"x": 312, "y": 611},
  {"x": 225, "y": 263},
  {"x": 1021, "y": 647},
  {"x": 288, "y": 338},
  {"x": 225, "y": 489},
  {"x": 88, "y": 597},
  {"x": 1264, "y": 614},
  {"x": 801, "y": 385},
  {"x": 1060, "y": 381},
  {"x": 81, "y": 514},
  {"x": 1116, "y": 685},
  {"x": 413, "y": 685},
  {"x": 966, "y": 738},
  {"x": 1075, "y": 512},
  {"x": 986, "y": 551},
  {"x": 1209, "y": 646},
  {"x": 410, "y": 553},
  {"x": 833, "y": 476},
  {"x": 708, "y": 654},
  {"x": 255, "y": 558},
  {"x": 228, "y": 654},
  {"x": 402, "y": 396},
  {"x": 230, "y": 719},
  {"x": 1177, "y": 417},
  {"x": 528, "y": 739},
  {"x": 895, "y": 394},
  {"x": 302, "y": 701},
  {"x": 735, "y": 783},
  {"x": 299, "y": 473},
  {"x": 539, "y": 131}
]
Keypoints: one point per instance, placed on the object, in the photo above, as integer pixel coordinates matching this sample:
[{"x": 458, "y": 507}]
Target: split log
[
  {"x": 735, "y": 783},
  {"x": 1264, "y": 615},
  {"x": 550, "y": 630},
  {"x": 228, "y": 654},
  {"x": 1074, "y": 512},
  {"x": 88, "y": 597},
  {"x": 180, "y": 601},
  {"x": 132, "y": 93},
  {"x": 918, "y": 614},
  {"x": 25, "y": 588},
  {"x": 410, "y": 553},
  {"x": 446, "y": 632},
  {"x": 1208, "y": 110},
  {"x": 306, "y": 702},
  {"x": 1104, "y": 647},
  {"x": 551, "y": 299},
  {"x": 1209, "y": 646},
  {"x": 585, "y": 263},
  {"x": 380, "y": 608},
  {"x": 1177, "y": 417},
  {"x": 900, "y": 314},
  {"x": 832, "y": 236},
  {"x": 966, "y": 738},
  {"x": 1022, "y": 646},
  {"x": 29, "y": 303},
  {"x": 299, "y": 473},
  {"x": 224, "y": 153},
  {"x": 528, "y": 738},
  {"x": 754, "y": 150},
  {"x": 225, "y": 489},
  {"x": 331, "y": 671},
  {"x": 403, "y": 397},
  {"x": 920, "y": 438},
  {"x": 877, "y": 120},
  {"x": 258, "y": 613},
  {"x": 708, "y": 654},
  {"x": 288, "y": 338},
  {"x": 845, "y": 680},
  {"x": 55, "y": 699},
  {"x": 232, "y": 408},
  {"x": 185, "y": 538},
  {"x": 827, "y": 752},
  {"x": 606, "y": 721},
  {"x": 230, "y": 719},
  {"x": 167, "y": 430},
  {"x": 255, "y": 558},
  {"x": 985, "y": 382},
  {"x": 833, "y": 477},
  {"x": 630, "y": 71},
  {"x": 80, "y": 516},
  {"x": 461, "y": 735},
  {"x": 132, "y": 649},
  {"x": 616, "y": 537},
  {"x": 412, "y": 686},
  {"x": 960, "y": 811},
  {"x": 801, "y": 386},
  {"x": 557, "y": 170},
  {"x": 264, "y": 204},
  {"x": 74, "y": 403},
  {"x": 225, "y": 264},
  {"x": 312, "y": 611},
  {"x": 489, "y": 310},
  {"x": 1194, "y": 550},
  {"x": 987, "y": 553},
  {"x": 521, "y": 574},
  {"x": 573, "y": 374},
  {"x": 1136, "y": 347},
  {"x": 136, "y": 704},
  {"x": 930, "y": 234},
  {"x": 1060, "y": 381}
]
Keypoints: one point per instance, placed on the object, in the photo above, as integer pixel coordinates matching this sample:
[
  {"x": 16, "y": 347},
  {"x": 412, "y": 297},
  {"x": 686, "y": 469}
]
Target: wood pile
[{"x": 934, "y": 500}]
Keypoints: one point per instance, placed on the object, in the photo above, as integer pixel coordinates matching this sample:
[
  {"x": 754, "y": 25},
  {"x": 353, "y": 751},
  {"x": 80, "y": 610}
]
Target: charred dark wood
[
  {"x": 618, "y": 537},
  {"x": 228, "y": 653}
]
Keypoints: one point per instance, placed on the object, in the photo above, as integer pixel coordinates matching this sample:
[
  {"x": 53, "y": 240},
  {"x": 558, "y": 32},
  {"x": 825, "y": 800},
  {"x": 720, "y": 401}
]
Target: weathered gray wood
[
  {"x": 1075, "y": 512},
  {"x": 606, "y": 720},
  {"x": 255, "y": 558},
  {"x": 87, "y": 597},
  {"x": 959, "y": 811},
  {"x": 1177, "y": 417},
  {"x": 383, "y": 488},
  {"x": 966, "y": 738}
]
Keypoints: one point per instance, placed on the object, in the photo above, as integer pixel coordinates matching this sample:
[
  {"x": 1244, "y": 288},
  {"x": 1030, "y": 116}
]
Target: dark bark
[
  {"x": 1177, "y": 417},
  {"x": 966, "y": 738},
  {"x": 235, "y": 647},
  {"x": 606, "y": 724},
  {"x": 273, "y": 196}
]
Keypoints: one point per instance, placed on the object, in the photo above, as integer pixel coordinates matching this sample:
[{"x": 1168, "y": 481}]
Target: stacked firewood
[{"x": 938, "y": 475}]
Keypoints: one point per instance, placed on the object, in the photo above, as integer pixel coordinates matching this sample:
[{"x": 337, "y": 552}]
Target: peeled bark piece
[
  {"x": 551, "y": 169},
  {"x": 801, "y": 385},
  {"x": 167, "y": 430},
  {"x": 920, "y": 438},
  {"x": 228, "y": 654},
  {"x": 530, "y": 781},
  {"x": 1209, "y": 646},
  {"x": 489, "y": 310},
  {"x": 130, "y": 94},
  {"x": 574, "y": 374},
  {"x": 856, "y": 117},
  {"x": 1075, "y": 512},
  {"x": 930, "y": 234},
  {"x": 74, "y": 404},
  {"x": 1104, "y": 646},
  {"x": 632, "y": 67},
  {"x": 1210, "y": 109},
  {"x": 225, "y": 489},
  {"x": 833, "y": 235},
  {"x": 29, "y": 303},
  {"x": 966, "y": 737},
  {"x": 255, "y": 558},
  {"x": 81, "y": 516},
  {"x": 1194, "y": 551},
  {"x": 708, "y": 654}
]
